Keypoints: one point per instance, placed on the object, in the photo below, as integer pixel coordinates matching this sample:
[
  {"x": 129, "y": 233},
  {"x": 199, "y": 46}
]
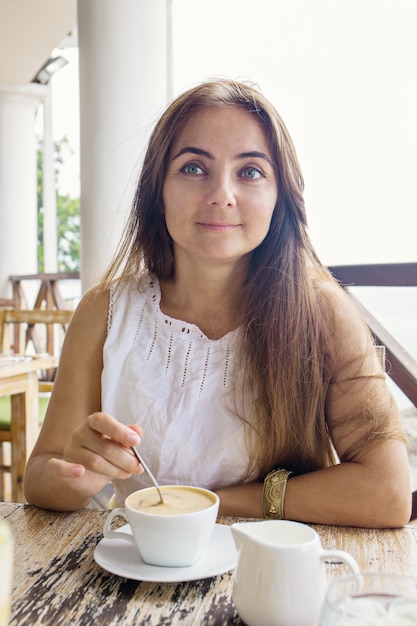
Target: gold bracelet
[{"x": 273, "y": 496}]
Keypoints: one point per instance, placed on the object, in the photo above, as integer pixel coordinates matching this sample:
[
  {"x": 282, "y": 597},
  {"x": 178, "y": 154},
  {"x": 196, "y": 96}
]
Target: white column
[
  {"x": 18, "y": 202},
  {"x": 123, "y": 89},
  {"x": 50, "y": 219}
]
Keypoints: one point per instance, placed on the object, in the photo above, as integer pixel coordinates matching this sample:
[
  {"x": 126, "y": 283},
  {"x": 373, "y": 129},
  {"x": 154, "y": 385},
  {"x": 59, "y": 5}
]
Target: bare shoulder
[
  {"x": 87, "y": 331},
  {"x": 92, "y": 312},
  {"x": 77, "y": 383}
]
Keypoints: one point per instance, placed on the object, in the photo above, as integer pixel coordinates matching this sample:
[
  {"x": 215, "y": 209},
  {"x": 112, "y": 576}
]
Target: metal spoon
[{"x": 148, "y": 471}]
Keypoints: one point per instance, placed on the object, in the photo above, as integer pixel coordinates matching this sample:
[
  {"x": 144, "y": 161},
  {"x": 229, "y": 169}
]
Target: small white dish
[{"x": 120, "y": 558}]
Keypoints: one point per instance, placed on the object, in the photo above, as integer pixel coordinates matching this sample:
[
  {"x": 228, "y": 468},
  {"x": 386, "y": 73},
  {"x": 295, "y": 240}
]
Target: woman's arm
[
  {"x": 371, "y": 485},
  {"x": 373, "y": 492},
  {"x": 79, "y": 449}
]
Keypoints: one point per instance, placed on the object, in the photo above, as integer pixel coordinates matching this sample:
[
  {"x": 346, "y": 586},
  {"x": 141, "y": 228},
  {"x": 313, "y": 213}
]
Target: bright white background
[{"x": 342, "y": 73}]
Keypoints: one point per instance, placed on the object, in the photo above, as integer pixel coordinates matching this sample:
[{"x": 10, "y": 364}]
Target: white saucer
[{"x": 120, "y": 557}]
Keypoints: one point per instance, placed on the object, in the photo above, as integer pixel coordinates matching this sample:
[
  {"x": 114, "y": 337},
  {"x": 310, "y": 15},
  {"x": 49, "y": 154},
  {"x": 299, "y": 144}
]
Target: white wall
[{"x": 343, "y": 75}]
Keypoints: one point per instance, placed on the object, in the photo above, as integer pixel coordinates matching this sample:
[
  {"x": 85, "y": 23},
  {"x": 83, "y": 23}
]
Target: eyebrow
[{"x": 242, "y": 155}]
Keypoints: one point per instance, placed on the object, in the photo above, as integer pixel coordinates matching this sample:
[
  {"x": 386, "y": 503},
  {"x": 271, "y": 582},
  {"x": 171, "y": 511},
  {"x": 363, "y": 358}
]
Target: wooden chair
[
  {"x": 39, "y": 329},
  {"x": 38, "y": 326}
]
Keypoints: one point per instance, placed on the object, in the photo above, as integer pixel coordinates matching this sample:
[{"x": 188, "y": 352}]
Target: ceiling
[{"x": 29, "y": 31}]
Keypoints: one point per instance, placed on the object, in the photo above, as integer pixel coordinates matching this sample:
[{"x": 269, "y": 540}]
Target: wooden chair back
[
  {"x": 39, "y": 329},
  {"x": 11, "y": 319}
]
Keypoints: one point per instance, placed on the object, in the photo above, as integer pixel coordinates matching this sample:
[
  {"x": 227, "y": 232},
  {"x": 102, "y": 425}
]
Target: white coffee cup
[
  {"x": 170, "y": 535},
  {"x": 280, "y": 578}
]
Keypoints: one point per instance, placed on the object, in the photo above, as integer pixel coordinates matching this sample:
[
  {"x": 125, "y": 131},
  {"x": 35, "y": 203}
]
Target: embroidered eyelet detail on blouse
[
  {"x": 203, "y": 378},
  {"x": 155, "y": 334},
  {"x": 171, "y": 339},
  {"x": 187, "y": 358},
  {"x": 110, "y": 311},
  {"x": 183, "y": 351},
  {"x": 178, "y": 326},
  {"x": 226, "y": 365},
  {"x": 142, "y": 314}
]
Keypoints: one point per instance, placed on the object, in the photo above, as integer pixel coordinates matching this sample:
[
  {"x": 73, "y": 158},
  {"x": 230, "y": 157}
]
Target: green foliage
[{"x": 68, "y": 216}]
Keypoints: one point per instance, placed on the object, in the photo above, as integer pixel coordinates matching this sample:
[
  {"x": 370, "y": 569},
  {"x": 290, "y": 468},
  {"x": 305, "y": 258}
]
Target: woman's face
[{"x": 220, "y": 187}]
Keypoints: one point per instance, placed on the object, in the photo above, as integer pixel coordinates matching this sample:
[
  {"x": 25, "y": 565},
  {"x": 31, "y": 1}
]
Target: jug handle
[{"x": 341, "y": 555}]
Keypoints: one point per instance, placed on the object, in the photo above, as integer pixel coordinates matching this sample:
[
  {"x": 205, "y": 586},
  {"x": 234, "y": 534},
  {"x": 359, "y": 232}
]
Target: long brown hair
[{"x": 286, "y": 340}]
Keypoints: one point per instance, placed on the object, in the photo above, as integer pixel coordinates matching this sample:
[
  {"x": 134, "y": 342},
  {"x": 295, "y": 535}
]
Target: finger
[
  {"x": 103, "y": 446},
  {"x": 64, "y": 469},
  {"x": 106, "y": 459},
  {"x": 101, "y": 455},
  {"x": 137, "y": 429},
  {"x": 84, "y": 482},
  {"x": 107, "y": 425}
]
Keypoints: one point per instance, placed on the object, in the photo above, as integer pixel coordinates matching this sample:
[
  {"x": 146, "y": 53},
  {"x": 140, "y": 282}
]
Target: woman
[{"x": 218, "y": 337}]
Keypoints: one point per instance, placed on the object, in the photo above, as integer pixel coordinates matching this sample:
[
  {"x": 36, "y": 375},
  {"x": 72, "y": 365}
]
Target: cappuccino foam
[{"x": 177, "y": 501}]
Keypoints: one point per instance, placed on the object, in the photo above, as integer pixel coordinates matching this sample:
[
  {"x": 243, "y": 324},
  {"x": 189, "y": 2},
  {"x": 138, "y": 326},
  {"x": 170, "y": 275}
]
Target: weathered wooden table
[{"x": 57, "y": 582}]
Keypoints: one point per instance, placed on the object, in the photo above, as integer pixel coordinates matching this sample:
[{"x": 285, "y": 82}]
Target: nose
[{"x": 221, "y": 193}]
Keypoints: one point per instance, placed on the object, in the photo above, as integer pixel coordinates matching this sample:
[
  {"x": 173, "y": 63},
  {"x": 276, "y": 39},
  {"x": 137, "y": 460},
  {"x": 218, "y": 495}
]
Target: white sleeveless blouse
[{"x": 167, "y": 376}]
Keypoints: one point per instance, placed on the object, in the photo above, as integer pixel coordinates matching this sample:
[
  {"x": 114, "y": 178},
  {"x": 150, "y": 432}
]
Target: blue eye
[
  {"x": 251, "y": 173},
  {"x": 192, "y": 169}
]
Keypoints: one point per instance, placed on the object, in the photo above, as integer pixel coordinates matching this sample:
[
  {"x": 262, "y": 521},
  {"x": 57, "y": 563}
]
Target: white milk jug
[{"x": 280, "y": 578}]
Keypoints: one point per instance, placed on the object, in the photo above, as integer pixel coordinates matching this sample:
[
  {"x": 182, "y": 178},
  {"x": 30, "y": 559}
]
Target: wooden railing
[
  {"x": 48, "y": 296},
  {"x": 49, "y": 310},
  {"x": 401, "y": 366}
]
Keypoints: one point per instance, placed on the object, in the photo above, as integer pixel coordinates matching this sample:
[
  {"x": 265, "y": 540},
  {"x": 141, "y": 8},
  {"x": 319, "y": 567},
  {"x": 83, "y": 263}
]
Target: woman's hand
[{"x": 99, "y": 451}]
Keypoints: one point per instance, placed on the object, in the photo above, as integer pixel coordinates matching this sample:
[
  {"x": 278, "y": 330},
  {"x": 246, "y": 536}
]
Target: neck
[{"x": 208, "y": 299}]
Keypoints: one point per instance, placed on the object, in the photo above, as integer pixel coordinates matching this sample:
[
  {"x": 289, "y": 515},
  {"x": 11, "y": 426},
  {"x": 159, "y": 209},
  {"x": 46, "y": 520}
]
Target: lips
[{"x": 215, "y": 226}]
